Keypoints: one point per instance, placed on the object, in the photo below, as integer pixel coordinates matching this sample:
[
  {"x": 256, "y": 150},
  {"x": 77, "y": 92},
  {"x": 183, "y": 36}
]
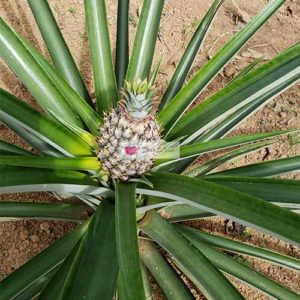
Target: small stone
[
  {"x": 282, "y": 114},
  {"x": 24, "y": 235},
  {"x": 44, "y": 226},
  {"x": 229, "y": 71},
  {"x": 34, "y": 238},
  {"x": 291, "y": 121}
]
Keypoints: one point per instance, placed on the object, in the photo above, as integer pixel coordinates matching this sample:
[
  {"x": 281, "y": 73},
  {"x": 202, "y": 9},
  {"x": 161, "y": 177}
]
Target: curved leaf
[
  {"x": 237, "y": 206},
  {"x": 274, "y": 190}
]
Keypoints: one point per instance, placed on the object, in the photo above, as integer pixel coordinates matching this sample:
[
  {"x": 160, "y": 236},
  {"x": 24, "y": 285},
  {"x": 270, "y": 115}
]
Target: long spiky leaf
[
  {"x": 29, "y": 71},
  {"x": 190, "y": 53},
  {"x": 99, "y": 43},
  {"x": 122, "y": 47},
  {"x": 58, "y": 49},
  {"x": 145, "y": 40},
  {"x": 169, "y": 116}
]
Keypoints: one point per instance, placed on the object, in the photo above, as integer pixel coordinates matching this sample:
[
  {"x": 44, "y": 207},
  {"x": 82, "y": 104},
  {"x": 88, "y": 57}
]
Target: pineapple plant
[
  {"x": 130, "y": 137},
  {"x": 125, "y": 172}
]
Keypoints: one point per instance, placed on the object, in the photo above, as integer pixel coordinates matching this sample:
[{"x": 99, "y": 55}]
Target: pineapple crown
[{"x": 138, "y": 100}]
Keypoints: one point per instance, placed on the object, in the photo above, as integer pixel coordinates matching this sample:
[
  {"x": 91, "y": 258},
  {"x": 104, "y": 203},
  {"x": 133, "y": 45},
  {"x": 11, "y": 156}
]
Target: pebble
[
  {"x": 45, "y": 226},
  {"x": 282, "y": 114},
  {"x": 24, "y": 235},
  {"x": 34, "y": 238}
]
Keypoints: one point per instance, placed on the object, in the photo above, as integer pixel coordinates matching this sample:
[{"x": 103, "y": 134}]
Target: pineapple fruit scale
[{"x": 130, "y": 136}]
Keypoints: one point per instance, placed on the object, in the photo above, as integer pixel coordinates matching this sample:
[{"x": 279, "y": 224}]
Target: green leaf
[
  {"x": 101, "y": 261},
  {"x": 174, "y": 110},
  {"x": 283, "y": 70},
  {"x": 264, "y": 169},
  {"x": 274, "y": 190},
  {"x": 121, "y": 290},
  {"x": 84, "y": 110},
  {"x": 33, "y": 140},
  {"x": 225, "y": 158},
  {"x": 147, "y": 284},
  {"x": 53, "y": 211},
  {"x": 195, "y": 149},
  {"x": 246, "y": 249},
  {"x": 34, "y": 289},
  {"x": 193, "y": 263},
  {"x": 13, "y": 110},
  {"x": 229, "y": 123},
  {"x": 122, "y": 48},
  {"x": 40, "y": 265},
  {"x": 155, "y": 71},
  {"x": 61, "y": 163},
  {"x": 166, "y": 278},
  {"x": 10, "y": 149},
  {"x": 53, "y": 289},
  {"x": 34, "y": 77},
  {"x": 84, "y": 135},
  {"x": 183, "y": 212},
  {"x": 58, "y": 49},
  {"x": 190, "y": 53},
  {"x": 104, "y": 77},
  {"x": 238, "y": 270},
  {"x": 127, "y": 242},
  {"x": 249, "y": 68},
  {"x": 145, "y": 40},
  {"x": 17, "y": 179},
  {"x": 243, "y": 113},
  {"x": 232, "y": 204}
]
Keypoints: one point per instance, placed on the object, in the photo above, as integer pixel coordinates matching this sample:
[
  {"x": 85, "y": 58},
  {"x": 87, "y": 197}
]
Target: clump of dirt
[{"x": 22, "y": 240}]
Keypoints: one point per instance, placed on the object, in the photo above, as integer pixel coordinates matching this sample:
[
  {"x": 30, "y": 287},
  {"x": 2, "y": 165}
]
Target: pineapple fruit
[{"x": 130, "y": 136}]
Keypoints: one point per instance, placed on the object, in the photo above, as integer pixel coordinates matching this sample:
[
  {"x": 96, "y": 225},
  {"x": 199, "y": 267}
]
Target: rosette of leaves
[{"x": 112, "y": 252}]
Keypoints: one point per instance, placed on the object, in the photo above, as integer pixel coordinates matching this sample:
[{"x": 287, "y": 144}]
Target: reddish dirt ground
[{"x": 21, "y": 240}]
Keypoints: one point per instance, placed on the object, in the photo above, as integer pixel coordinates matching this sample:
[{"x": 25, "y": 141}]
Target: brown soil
[{"x": 21, "y": 240}]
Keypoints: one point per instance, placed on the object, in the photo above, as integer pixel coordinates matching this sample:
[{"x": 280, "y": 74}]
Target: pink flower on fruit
[{"x": 131, "y": 150}]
